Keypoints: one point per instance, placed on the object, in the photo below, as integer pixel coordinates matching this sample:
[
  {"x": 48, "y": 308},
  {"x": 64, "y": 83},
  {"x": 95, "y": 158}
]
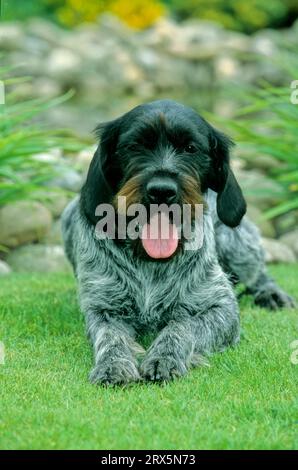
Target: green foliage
[
  {"x": 21, "y": 138},
  {"x": 20, "y": 9},
  {"x": 236, "y": 14},
  {"x": 136, "y": 13},
  {"x": 267, "y": 125}
]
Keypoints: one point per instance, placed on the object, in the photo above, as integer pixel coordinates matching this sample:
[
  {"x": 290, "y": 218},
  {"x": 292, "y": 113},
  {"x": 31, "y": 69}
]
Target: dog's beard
[
  {"x": 161, "y": 234},
  {"x": 159, "y": 237}
]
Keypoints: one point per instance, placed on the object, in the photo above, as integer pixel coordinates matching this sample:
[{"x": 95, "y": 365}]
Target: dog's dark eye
[{"x": 190, "y": 148}]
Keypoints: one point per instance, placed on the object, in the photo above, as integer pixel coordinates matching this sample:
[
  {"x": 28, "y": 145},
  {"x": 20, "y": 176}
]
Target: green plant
[
  {"x": 136, "y": 13},
  {"x": 236, "y": 14},
  {"x": 268, "y": 126},
  {"x": 20, "y": 10},
  {"x": 21, "y": 138}
]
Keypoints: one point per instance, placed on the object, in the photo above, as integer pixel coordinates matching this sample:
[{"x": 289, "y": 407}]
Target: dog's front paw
[
  {"x": 115, "y": 372},
  {"x": 162, "y": 367},
  {"x": 273, "y": 298}
]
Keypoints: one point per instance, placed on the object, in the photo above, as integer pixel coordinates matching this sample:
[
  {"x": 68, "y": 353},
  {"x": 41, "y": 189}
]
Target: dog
[{"x": 163, "y": 153}]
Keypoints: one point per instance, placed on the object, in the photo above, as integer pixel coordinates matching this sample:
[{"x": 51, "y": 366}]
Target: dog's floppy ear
[
  {"x": 102, "y": 174},
  {"x": 231, "y": 205}
]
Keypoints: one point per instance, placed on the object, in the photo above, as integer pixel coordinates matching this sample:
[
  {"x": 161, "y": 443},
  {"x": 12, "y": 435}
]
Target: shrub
[
  {"x": 136, "y": 13},
  {"x": 236, "y": 14},
  {"x": 73, "y": 12},
  {"x": 268, "y": 126},
  {"x": 21, "y": 174}
]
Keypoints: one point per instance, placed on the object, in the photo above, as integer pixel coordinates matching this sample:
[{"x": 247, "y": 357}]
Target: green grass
[{"x": 247, "y": 399}]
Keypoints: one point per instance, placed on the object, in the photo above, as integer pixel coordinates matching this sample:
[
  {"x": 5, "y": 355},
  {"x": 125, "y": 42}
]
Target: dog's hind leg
[{"x": 242, "y": 256}]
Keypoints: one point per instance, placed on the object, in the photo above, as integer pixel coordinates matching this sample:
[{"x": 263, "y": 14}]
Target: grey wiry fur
[
  {"x": 241, "y": 254},
  {"x": 189, "y": 301}
]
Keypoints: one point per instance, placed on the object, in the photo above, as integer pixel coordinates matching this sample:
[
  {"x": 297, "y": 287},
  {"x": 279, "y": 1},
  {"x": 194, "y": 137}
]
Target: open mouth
[{"x": 159, "y": 237}]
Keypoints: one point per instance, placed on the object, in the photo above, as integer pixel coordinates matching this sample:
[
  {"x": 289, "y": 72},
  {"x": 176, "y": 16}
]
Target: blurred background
[{"x": 66, "y": 65}]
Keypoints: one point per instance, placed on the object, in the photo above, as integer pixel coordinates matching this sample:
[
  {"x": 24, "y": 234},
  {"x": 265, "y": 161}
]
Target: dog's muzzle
[
  {"x": 162, "y": 190},
  {"x": 160, "y": 236}
]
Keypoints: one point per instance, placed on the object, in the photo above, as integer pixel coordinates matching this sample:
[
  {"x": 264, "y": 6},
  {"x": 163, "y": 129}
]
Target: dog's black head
[{"x": 162, "y": 152}]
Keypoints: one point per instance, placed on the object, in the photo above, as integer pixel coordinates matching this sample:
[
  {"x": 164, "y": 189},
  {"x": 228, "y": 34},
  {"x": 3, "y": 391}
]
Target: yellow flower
[{"x": 138, "y": 14}]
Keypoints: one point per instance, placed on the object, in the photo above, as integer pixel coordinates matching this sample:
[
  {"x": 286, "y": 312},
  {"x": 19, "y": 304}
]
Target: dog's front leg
[
  {"x": 171, "y": 353},
  {"x": 115, "y": 351},
  {"x": 182, "y": 343}
]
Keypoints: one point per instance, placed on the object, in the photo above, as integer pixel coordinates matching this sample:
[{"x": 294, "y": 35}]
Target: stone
[
  {"x": 264, "y": 163},
  {"x": 63, "y": 64},
  {"x": 266, "y": 227},
  {"x": 227, "y": 67},
  {"x": 54, "y": 236},
  {"x": 259, "y": 190},
  {"x": 190, "y": 61},
  {"x": 22, "y": 222},
  {"x": 11, "y": 36},
  {"x": 263, "y": 44},
  {"x": 70, "y": 179},
  {"x": 47, "y": 31},
  {"x": 38, "y": 258},
  {"x": 84, "y": 157},
  {"x": 285, "y": 223},
  {"x": 4, "y": 268},
  {"x": 291, "y": 240},
  {"x": 56, "y": 202},
  {"x": 52, "y": 156},
  {"x": 47, "y": 88},
  {"x": 39, "y": 88},
  {"x": 277, "y": 252}
]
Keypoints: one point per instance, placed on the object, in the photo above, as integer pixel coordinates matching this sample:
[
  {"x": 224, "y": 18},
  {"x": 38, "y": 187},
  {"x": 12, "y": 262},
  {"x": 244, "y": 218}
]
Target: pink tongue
[{"x": 159, "y": 237}]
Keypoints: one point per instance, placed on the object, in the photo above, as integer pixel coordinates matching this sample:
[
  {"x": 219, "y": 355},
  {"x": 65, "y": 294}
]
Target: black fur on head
[{"x": 169, "y": 144}]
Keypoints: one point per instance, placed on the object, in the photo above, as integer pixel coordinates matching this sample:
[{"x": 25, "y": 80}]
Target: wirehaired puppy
[{"x": 162, "y": 154}]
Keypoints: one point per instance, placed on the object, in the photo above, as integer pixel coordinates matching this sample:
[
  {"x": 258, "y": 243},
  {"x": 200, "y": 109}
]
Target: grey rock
[
  {"x": 291, "y": 240},
  {"x": 54, "y": 236},
  {"x": 55, "y": 202},
  {"x": 264, "y": 163},
  {"x": 259, "y": 190},
  {"x": 266, "y": 226},
  {"x": 69, "y": 179},
  {"x": 38, "y": 258},
  {"x": 4, "y": 268},
  {"x": 84, "y": 157},
  {"x": 63, "y": 64},
  {"x": 263, "y": 44},
  {"x": 11, "y": 36},
  {"x": 286, "y": 222},
  {"x": 188, "y": 61},
  {"x": 40, "y": 29},
  {"x": 277, "y": 252},
  {"x": 22, "y": 222}
]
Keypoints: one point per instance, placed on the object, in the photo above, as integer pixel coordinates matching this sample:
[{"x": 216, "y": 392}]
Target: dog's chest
[{"x": 155, "y": 301}]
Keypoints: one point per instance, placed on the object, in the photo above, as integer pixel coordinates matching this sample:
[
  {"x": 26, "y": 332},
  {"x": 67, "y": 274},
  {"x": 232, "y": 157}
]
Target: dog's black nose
[{"x": 162, "y": 190}]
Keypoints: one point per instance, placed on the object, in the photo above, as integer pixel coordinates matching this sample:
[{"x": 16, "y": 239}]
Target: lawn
[{"x": 247, "y": 399}]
